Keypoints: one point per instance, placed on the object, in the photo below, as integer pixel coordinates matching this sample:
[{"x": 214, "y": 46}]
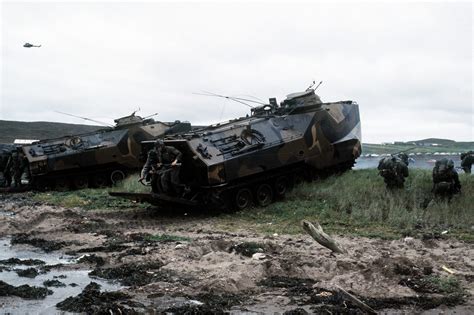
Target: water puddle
[
  {"x": 74, "y": 280},
  {"x": 6, "y": 213}
]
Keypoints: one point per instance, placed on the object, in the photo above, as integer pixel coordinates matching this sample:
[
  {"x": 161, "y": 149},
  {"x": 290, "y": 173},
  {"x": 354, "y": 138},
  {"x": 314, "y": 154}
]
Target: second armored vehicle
[{"x": 94, "y": 159}]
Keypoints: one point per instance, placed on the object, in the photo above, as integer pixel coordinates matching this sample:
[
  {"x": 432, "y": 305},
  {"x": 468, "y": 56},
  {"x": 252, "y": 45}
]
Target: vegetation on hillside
[{"x": 39, "y": 130}]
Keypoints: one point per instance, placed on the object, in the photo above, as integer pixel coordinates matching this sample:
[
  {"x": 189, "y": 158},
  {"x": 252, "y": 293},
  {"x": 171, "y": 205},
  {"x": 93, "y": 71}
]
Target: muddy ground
[{"x": 184, "y": 263}]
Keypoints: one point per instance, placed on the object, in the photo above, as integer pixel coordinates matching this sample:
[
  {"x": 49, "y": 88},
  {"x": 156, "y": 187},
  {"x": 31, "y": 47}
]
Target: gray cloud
[{"x": 409, "y": 66}]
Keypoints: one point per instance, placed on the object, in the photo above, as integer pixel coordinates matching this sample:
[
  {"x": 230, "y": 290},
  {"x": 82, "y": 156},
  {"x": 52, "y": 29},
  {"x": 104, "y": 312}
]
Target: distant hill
[
  {"x": 434, "y": 140},
  {"x": 430, "y": 145},
  {"x": 11, "y": 130}
]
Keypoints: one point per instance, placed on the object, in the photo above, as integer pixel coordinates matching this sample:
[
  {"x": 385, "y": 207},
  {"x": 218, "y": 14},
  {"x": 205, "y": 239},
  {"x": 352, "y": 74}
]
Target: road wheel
[
  {"x": 61, "y": 184},
  {"x": 281, "y": 186},
  {"x": 298, "y": 179},
  {"x": 264, "y": 195},
  {"x": 100, "y": 180},
  {"x": 81, "y": 182},
  {"x": 243, "y": 198},
  {"x": 42, "y": 184},
  {"x": 117, "y": 176}
]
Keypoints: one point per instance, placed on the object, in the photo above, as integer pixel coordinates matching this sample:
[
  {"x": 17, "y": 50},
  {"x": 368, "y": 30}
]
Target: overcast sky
[{"x": 408, "y": 65}]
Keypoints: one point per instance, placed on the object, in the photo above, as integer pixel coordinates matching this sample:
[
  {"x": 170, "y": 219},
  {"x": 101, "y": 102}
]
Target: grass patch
[
  {"x": 166, "y": 238},
  {"x": 94, "y": 199},
  {"x": 357, "y": 203},
  {"x": 445, "y": 285}
]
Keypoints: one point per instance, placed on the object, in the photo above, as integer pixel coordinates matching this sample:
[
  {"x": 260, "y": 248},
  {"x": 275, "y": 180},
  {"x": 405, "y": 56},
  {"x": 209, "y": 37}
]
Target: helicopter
[{"x": 28, "y": 45}]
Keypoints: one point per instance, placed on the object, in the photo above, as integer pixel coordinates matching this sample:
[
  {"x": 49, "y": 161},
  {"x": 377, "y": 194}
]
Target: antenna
[
  {"x": 312, "y": 84},
  {"x": 235, "y": 99},
  {"x": 150, "y": 115},
  {"x": 321, "y": 82},
  {"x": 85, "y": 118}
]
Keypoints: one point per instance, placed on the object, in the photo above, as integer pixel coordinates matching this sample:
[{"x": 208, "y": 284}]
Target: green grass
[
  {"x": 94, "y": 199},
  {"x": 357, "y": 203},
  {"x": 445, "y": 285}
]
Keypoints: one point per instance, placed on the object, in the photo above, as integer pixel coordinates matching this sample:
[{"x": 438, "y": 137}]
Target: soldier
[
  {"x": 445, "y": 179},
  {"x": 16, "y": 167},
  {"x": 163, "y": 166},
  {"x": 467, "y": 159},
  {"x": 394, "y": 170},
  {"x": 404, "y": 157},
  {"x": 7, "y": 171},
  {"x": 3, "y": 164}
]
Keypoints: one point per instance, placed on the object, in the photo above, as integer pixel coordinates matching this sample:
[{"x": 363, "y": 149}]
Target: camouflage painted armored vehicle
[
  {"x": 257, "y": 158},
  {"x": 94, "y": 159}
]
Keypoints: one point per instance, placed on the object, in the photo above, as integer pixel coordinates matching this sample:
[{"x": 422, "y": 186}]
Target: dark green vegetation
[
  {"x": 24, "y": 291},
  {"x": 47, "y": 246},
  {"x": 444, "y": 145},
  {"x": 92, "y": 301},
  {"x": 53, "y": 283},
  {"x": 39, "y": 130},
  {"x": 166, "y": 238},
  {"x": 434, "y": 284},
  {"x": 27, "y": 273},
  {"x": 355, "y": 203},
  {"x": 133, "y": 274}
]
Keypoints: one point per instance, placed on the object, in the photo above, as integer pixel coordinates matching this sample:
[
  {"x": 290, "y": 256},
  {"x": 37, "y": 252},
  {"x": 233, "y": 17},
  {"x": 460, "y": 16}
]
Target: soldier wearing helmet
[
  {"x": 394, "y": 170},
  {"x": 445, "y": 179},
  {"x": 163, "y": 166},
  {"x": 467, "y": 159}
]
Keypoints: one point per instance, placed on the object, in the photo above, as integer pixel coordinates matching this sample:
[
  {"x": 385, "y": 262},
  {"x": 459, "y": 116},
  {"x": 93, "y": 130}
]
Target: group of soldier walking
[
  {"x": 394, "y": 170},
  {"x": 13, "y": 164}
]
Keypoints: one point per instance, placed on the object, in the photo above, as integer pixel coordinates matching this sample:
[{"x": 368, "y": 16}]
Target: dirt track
[{"x": 215, "y": 267}]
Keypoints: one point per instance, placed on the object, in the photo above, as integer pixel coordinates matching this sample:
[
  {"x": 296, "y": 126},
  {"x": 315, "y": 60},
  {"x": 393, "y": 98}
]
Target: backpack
[{"x": 442, "y": 171}]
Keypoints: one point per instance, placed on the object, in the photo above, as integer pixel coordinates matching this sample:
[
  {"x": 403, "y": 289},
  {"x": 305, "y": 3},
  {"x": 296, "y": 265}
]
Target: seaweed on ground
[
  {"x": 24, "y": 291},
  {"x": 92, "y": 301}
]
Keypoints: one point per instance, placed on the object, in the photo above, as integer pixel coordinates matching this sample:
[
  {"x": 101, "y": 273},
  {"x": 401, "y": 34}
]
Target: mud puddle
[
  {"x": 6, "y": 213},
  {"x": 53, "y": 272}
]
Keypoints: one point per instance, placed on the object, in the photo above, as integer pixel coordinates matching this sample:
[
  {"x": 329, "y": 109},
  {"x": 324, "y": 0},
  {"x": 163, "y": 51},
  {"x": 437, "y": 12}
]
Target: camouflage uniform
[
  {"x": 16, "y": 167},
  {"x": 158, "y": 157},
  {"x": 3, "y": 163},
  {"x": 394, "y": 171},
  {"x": 445, "y": 179},
  {"x": 467, "y": 159},
  {"x": 7, "y": 172},
  {"x": 404, "y": 157}
]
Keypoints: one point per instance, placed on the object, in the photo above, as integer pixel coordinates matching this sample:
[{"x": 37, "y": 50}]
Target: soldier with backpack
[
  {"x": 445, "y": 179},
  {"x": 394, "y": 170},
  {"x": 467, "y": 159}
]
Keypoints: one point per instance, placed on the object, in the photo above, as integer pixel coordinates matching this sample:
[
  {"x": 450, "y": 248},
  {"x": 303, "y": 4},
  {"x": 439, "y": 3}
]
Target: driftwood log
[
  {"x": 316, "y": 232},
  {"x": 356, "y": 301}
]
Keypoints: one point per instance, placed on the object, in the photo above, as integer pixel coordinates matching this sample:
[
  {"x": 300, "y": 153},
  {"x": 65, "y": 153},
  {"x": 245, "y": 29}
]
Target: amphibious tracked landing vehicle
[
  {"x": 94, "y": 159},
  {"x": 257, "y": 158}
]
